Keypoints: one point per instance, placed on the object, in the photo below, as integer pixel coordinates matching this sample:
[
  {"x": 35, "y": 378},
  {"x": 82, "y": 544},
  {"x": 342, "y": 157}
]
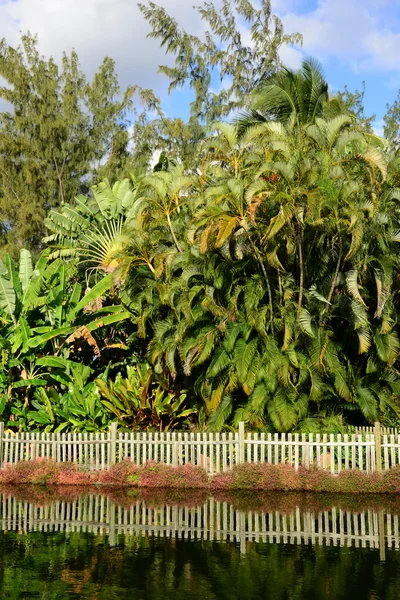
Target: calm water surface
[{"x": 277, "y": 548}]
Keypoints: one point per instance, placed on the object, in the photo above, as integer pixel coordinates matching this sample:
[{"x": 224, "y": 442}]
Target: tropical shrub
[
  {"x": 260, "y": 287},
  {"x": 138, "y": 402}
]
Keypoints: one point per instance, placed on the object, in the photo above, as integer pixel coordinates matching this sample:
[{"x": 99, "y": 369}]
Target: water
[{"x": 166, "y": 546}]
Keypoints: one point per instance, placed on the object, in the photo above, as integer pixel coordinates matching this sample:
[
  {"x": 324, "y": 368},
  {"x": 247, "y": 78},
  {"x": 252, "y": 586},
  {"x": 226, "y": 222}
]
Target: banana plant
[
  {"x": 77, "y": 409},
  {"x": 92, "y": 228},
  {"x": 47, "y": 321}
]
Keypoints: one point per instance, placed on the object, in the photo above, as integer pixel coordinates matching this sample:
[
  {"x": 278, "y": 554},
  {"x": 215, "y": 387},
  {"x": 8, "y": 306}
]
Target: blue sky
[{"x": 356, "y": 40}]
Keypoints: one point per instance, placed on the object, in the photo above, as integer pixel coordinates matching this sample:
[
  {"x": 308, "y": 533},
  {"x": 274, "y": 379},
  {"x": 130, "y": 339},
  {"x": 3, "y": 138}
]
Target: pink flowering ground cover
[{"x": 248, "y": 476}]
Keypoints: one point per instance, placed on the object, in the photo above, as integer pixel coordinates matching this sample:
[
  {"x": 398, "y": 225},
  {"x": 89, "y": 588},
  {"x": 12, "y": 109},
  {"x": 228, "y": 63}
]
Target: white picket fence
[
  {"x": 370, "y": 429},
  {"x": 214, "y": 452},
  {"x": 213, "y": 520}
]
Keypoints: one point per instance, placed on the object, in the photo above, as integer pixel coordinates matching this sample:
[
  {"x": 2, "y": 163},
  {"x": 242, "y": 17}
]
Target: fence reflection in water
[{"x": 213, "y": 520}]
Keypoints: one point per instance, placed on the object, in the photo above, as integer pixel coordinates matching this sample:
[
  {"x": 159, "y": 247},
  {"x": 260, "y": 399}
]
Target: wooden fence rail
[
  {"x": 212, "y": 520},
  {"x": 214, "y": 451}
]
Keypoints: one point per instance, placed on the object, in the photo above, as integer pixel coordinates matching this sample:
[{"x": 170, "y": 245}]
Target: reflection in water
[
  {"x": 209, "y": 520},
  {"x": 103, "y": 546}
]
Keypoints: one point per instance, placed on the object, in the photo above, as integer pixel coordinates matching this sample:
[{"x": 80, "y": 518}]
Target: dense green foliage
[
  {"x": 60, "y": 134},
  {"x": 252, "y": 274}
]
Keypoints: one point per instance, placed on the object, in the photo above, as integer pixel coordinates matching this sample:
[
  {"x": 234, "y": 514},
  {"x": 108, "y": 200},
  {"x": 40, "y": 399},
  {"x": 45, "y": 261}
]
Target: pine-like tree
[{"x": 59, "y": 136}]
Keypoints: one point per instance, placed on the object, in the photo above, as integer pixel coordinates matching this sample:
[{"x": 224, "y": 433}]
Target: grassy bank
[{"x": 262, "y": 477}]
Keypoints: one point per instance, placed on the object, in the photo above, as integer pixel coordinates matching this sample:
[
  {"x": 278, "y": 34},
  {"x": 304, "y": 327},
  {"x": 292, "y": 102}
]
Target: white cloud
[
  {"x": 363, "y": 35},
  {"x": 333, "y": 27},
  {"x": 383, "y": 48},
  {"x": 154, "y": 159},
  {"x": 95, "y": 28},
  {"x": 377, "y": 126},
  {"x": 291, "y": 57}
]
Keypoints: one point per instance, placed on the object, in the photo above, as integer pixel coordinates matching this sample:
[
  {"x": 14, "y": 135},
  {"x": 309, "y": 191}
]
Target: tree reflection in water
[{"x": 62, "y": 564}]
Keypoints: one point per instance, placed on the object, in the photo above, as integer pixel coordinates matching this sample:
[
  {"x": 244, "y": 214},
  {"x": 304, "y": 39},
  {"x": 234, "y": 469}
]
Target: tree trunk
[
  {"x": 59, "y": 177},
  {"x": 301, "y": 271},
  {"x": 333, "y": 285},
  {"x": 173, "y": 234}
]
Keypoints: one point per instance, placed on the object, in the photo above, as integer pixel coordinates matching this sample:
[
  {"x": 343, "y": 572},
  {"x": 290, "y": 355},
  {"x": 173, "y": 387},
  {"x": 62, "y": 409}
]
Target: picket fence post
[
  {"x": 175, "y": 453},
  {"x": 113, "y": 443},
  {"x": 111, "y": 522},
  {"x": 1, "y": 443},
  {"x": 378, "y": 448},
  {"x": 381, "y": 536},
  {"x": 241, "y": 442}
]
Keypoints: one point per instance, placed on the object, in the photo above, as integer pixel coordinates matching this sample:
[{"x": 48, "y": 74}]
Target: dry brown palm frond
[{"x": 84, "y": 333}]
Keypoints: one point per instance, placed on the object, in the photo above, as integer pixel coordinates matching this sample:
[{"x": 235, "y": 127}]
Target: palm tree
[
  {"x": 292, "y": 98},
  {"x": 164, "y": 196}
]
